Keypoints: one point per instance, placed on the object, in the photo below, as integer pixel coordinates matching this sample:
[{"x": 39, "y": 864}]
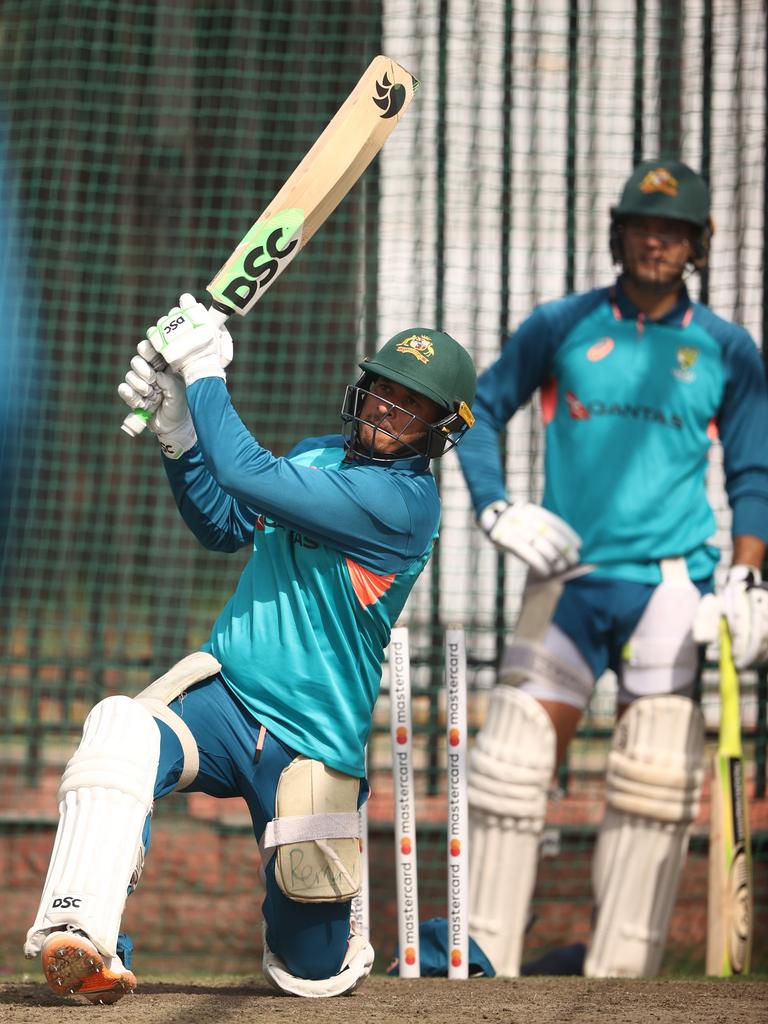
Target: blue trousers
[{"x": 311, "y": 939}]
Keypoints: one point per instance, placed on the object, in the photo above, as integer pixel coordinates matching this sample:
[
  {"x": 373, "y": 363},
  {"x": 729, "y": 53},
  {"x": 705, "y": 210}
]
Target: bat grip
[{"x": 135, "y": 422}]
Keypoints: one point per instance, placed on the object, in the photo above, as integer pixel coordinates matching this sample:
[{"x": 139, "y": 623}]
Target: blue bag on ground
[{"x": 433, "y": 943}]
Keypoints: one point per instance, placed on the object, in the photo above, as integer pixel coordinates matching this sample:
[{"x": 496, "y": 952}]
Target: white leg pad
[
  {"x": 355, "y": 969},
  {"x": 511, "y": 765},
  {"x": 653, "y": 785},
  {"x": 105, "y": 796}
]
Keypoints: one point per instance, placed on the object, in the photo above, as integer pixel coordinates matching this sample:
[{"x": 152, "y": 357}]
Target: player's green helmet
[
  {"x": 665, "y": 188},
  {"x": 431, "y": 363}
]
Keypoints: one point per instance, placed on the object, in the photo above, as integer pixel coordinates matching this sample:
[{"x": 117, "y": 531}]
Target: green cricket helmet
[
  {"x": 430, "y": 363},
  {"x": 665, "y": 188}
]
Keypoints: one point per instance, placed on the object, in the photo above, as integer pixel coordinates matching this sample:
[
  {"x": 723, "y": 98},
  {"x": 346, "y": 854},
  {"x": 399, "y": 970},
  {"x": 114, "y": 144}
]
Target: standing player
[
  {"x": 636, "y": 380},
  {"x": 276, "y": 707}
]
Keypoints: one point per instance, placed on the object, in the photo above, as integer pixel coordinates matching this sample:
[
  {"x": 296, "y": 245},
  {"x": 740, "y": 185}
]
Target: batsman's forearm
[
  {"x": 217, "y": 521},
  {"x": 748, "y": 550}
]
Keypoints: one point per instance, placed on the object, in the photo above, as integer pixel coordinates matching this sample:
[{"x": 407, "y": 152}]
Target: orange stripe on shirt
[
  {"x": 548, "y": 397},
  {"x": 368, "y": 586}
]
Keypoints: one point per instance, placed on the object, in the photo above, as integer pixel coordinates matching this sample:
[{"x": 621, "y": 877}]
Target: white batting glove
[
  {"x": 544, "y": 541},
  {"x": 191, "y": 342},
  {"x": 743, "y": 600},
  {"x": 162, "y": 393}
]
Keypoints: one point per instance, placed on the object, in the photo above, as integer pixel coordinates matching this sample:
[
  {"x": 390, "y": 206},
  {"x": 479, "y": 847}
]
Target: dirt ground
[{"x": 381, "y": 999}]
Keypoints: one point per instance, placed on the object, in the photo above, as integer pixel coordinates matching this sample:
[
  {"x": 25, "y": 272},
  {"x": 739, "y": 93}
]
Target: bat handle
[{"x": 135, "y": 422}]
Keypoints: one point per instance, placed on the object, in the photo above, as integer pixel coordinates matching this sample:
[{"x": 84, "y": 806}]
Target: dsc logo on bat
[{"x": 260, "y": 258}]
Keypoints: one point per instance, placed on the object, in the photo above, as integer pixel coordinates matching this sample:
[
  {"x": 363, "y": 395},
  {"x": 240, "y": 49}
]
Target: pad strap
[
  {"x": 299, "y": 828},
  {"x": 163, "y": 691}
]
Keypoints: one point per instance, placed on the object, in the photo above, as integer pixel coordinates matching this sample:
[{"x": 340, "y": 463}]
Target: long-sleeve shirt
[
  {"x": 631, "y": 407},
  {"x": 337, "y": 546}
]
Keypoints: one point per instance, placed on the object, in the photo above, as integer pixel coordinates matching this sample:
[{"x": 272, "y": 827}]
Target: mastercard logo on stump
[
  {"x": 410, "y": 955},
  {"x": 454, "y": 737},
  {"x": 456, "y": 958},
  {"x": 405, "y": 845},
  {"x": 455, "y": 847},
  {"x": 402, "y": 734}
]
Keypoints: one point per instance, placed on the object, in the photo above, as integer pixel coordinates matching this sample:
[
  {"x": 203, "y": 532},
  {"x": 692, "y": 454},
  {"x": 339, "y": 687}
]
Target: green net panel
[{"x": 138, "y": 142}]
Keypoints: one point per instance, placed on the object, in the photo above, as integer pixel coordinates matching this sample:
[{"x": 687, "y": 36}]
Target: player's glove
[
  {"x": 163, "y": 394},
  {"x": 191, "y": 342},
  {"x": 541, "y": 539},
  {"x": 743, "y": 600}
]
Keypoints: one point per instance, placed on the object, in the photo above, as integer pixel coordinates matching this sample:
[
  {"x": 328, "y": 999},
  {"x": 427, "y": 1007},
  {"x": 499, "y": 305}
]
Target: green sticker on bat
[{"x": 260, "y": 258}]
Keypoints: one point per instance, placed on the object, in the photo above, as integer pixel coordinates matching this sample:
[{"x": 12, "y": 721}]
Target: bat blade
[
  {"x": 730, "y": 898},
  {"x": 326, "y": 174},
  {"x": 337, "y": 159}
]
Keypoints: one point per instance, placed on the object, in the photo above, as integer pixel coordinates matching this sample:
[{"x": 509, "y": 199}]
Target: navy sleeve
[
  {"x": 382, "y": 518},
  {"x": 743, "y": 428},
  {"x": 218, "y": 522}
]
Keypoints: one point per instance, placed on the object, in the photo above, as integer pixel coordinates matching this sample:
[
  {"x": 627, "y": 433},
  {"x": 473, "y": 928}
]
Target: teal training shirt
[
  {"x": 336, "y": 548},
  {"x": 631, "y": 407}
]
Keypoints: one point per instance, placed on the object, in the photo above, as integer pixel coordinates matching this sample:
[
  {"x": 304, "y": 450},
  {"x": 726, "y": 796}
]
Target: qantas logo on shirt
[{"x": 579, "y": 410}]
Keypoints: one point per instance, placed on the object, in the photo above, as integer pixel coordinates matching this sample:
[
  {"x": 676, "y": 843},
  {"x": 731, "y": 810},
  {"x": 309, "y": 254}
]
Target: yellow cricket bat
[
  {"x": 346, "y": 147},
  {"x": 730, "y": 902}
]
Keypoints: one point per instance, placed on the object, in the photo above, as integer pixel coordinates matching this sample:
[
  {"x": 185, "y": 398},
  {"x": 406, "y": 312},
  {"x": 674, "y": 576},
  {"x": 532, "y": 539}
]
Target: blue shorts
[
  {"x": 311, "y": 939},
  {"x": 599, "y": 614}
]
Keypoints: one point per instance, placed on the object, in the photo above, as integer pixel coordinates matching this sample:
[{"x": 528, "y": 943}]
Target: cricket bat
[
  {"x": 346, "y": 147},
  {"x": 729, "y": 906}
]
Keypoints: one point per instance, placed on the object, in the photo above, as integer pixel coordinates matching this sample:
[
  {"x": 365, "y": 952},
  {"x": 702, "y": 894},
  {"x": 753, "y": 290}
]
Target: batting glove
[
  {"x": 544, "y": 541},
  {"x": 191, "y": 342},
  {"x": 743, "y": 600},
  {"x": 163, "y": 394}
]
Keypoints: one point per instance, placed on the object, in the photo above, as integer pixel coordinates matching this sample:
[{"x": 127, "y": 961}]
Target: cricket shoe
[{"x": 73, "y": 966}]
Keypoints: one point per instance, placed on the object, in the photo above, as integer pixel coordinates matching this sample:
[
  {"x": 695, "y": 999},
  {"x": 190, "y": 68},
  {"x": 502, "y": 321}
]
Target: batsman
[
  {"x": 275, "y": 707},
  {"x": 636, "y": 381}
]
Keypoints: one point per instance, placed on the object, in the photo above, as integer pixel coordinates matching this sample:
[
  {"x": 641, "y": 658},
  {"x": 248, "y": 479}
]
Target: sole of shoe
[{"x": 73, "y": 966}]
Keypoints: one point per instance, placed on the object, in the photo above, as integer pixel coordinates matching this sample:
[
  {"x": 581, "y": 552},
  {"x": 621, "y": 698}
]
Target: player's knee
[
  {"x": 119, "y": 750},
  {"x": 551, "y": 669},
  {"x": 312, "y": 975},
  {"x": 315, "y": 959}
]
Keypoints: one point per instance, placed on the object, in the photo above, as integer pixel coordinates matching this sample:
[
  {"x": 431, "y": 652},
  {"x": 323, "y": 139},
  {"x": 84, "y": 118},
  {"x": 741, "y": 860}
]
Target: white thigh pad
[
  {"x": 510, "y": 768},
  {"x": 316, "y": 830},
  {"x": 105, "y": 796},
  {"x": 163, "y": 691},
  {"x": 655, "y": 772},
  {"x": 661, "y": 656},
  {"x": 551, "y": 669}
]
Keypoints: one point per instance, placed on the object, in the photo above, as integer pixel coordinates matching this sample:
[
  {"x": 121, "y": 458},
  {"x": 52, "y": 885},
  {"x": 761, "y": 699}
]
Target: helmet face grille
[{"x": 434, "y": 441}]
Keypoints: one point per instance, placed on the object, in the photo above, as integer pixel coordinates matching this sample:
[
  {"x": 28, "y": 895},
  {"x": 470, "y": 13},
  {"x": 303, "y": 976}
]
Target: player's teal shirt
[
  {"x": 337, "y": 547},
  {"x": 631, "y": 407}
]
